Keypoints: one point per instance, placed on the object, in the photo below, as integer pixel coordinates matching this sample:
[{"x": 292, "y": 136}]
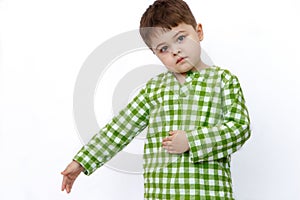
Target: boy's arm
[
  {"x": 215, "y": 142},
  {"x": 115, "y": 135}
]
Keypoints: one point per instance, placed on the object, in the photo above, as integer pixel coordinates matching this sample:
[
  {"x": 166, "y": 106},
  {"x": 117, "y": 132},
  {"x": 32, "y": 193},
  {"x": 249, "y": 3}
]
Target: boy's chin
[
  {"x": 180, "y": 70},
  {"x": 185, "y": 70}
]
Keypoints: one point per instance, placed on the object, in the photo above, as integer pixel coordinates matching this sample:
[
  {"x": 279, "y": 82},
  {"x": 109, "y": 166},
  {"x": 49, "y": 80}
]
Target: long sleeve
[
  {"x": 220, "y": 140},
  {"x": 115, "y": 135}
]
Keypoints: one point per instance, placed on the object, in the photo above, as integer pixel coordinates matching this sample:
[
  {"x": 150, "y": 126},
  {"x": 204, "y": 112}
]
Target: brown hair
[{"x": 165, "y": 14}]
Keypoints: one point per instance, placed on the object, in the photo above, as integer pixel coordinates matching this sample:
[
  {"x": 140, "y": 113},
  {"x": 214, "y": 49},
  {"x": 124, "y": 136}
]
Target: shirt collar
[{"x": 196, "y": 74}]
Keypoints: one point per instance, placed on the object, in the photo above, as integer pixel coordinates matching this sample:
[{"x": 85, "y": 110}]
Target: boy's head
[
  {"x": 169, "y": 29},
  {"x": 165, "y": 14}
]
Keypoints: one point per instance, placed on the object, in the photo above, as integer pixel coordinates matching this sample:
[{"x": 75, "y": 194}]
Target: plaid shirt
[{"x": 209, "y": 106}]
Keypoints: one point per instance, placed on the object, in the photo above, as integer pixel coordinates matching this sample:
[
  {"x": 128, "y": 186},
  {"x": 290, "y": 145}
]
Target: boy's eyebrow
[{"x": 179, "y": 32}]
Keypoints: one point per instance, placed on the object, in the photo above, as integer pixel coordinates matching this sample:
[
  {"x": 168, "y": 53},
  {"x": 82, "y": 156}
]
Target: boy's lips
[{"x": 180, "y": 59}]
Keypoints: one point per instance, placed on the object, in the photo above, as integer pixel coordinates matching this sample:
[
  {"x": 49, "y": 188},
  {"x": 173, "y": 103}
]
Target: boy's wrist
[{"x": 79, "y": 164}]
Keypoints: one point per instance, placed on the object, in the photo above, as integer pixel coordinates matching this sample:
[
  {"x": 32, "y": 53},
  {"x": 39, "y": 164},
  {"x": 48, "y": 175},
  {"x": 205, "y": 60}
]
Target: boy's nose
[{"x": 176, "y": 51}]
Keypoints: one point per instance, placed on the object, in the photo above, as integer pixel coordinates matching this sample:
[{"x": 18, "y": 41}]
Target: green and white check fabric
[{"x": 209, "y": 106}]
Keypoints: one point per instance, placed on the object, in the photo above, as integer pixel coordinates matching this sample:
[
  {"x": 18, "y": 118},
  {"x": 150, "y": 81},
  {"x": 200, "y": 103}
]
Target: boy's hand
[
  {"x": 70, "y": 174},
  {"x": 177, "y": 142}
]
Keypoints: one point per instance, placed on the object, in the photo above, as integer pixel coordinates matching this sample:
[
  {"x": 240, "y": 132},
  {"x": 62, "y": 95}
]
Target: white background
[{"x": 43, "y": 45}]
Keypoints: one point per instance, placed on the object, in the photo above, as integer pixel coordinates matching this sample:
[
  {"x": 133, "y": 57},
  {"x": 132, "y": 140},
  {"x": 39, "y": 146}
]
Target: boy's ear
[{"x": 199, "y": 31}]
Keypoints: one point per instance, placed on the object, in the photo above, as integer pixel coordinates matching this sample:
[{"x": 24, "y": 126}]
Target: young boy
[{"x": 196, "y": 116}]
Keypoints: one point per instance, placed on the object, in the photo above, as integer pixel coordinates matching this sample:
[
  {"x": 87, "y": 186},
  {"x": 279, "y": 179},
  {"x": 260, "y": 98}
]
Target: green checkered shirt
[{"x": 209, "y": 106}]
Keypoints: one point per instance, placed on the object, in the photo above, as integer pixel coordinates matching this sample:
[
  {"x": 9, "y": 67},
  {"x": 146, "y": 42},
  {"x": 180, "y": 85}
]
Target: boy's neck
[{"x": 182, "y": 76}]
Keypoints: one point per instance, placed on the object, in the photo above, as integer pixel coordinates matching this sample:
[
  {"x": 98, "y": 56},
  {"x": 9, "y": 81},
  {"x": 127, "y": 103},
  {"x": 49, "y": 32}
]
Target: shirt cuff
[
  {"x": 194, "y": 146},
  {"x": 87, "y": 161}
]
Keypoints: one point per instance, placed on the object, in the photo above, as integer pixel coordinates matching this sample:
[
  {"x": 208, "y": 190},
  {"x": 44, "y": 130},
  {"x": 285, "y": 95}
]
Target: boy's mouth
[{"x": 180, "y": 59}]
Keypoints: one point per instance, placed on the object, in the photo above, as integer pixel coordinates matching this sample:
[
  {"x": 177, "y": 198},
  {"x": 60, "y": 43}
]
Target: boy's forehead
[{"x": 160, "y": 33}]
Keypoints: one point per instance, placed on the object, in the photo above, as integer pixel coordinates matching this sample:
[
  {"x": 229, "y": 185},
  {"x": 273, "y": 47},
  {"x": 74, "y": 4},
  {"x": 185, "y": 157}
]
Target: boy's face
[{"x": 179, "y": 49}]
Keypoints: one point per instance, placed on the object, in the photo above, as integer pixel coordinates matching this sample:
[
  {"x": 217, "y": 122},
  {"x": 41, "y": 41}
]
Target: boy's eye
[
  {"x": 163, "y": 49},
  {"x": 180, "y": 38}
]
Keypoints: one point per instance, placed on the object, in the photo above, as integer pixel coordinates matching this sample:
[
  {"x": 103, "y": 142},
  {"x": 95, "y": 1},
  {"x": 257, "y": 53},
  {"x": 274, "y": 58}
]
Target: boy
[{"x": 196, "y": 116}]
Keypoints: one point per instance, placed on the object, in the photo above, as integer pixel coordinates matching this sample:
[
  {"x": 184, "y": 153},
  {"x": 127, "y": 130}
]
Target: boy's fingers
[
  {"x": 167, "y": 139},
  {"x": 69, "y": 187},
  {"x": 170, "y": 148},
  {"x": 67, "y": 170},
  {"x": 71, "y": 184},
  {"x": 166, "y": 144},
  {"x": 67, "y": 184},
  {"x": 63, "y": 185},
  {"x": 64, "y": 172}
]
